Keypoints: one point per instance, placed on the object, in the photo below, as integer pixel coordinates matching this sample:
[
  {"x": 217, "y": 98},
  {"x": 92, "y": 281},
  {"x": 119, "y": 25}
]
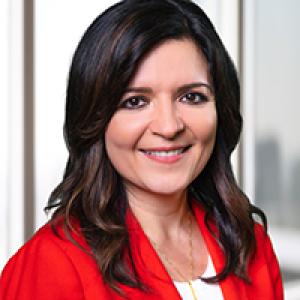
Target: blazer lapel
[{"x": 148, "y": 264}]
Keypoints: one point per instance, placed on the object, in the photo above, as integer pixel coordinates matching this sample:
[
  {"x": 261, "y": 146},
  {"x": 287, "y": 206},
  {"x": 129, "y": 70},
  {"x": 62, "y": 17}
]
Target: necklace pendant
[{"x": 192, "y": 290}]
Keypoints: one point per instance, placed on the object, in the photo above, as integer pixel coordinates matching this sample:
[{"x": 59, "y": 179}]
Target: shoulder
[
  {"x": 47, "y": 264},
  {"x": 264, "y": 267},
  {"x": 264, "y": 253},
  {"x": 263, "y": 242},
  {"x": 261, "y": 234},
  {"x": 49, "y": 245}
]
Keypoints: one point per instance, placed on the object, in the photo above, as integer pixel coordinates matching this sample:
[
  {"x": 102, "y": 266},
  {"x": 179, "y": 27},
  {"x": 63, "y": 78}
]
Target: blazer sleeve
[
  {"x": 40, "y": 270},
  {"x": 274, "y": 269},
  {"x": 266, "y": 272}
]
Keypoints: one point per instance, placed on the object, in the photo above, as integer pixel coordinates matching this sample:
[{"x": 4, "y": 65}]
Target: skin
[{"x": 169, "y": 103}]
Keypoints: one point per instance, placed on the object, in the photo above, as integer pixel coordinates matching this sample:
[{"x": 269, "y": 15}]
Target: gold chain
[{"x": 161, "y": 254}]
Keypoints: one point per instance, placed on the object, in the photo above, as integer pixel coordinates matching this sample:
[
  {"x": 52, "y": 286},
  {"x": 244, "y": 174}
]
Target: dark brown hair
[{"x": 105, "y": 61}]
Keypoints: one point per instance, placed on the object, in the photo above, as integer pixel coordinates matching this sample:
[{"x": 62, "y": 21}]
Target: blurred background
[{"x": 38, "y": 39}]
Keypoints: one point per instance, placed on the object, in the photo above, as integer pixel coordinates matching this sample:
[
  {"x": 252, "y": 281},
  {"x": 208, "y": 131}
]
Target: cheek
[
  {"x": 210, "y": 128},
  {"x": 121, "y": 137},
  {"x": 204, "y": 126},
  {"x": 120, "y": 133},
  {"x": 116, "y": 144}
]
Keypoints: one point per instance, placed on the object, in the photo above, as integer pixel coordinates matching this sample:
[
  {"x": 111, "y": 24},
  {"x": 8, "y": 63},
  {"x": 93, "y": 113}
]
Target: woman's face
[{"x": 163, "y": 133}]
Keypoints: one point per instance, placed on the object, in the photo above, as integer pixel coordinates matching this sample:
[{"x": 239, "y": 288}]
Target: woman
[{"x": 148, "y": 207}]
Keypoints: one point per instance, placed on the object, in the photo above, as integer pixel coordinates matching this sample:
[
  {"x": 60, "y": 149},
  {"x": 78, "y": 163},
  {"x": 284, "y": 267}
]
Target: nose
[{"x": 166, "y": 121}]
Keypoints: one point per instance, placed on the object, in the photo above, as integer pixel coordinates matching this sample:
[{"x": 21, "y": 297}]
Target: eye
[
  {"x": 134, "y": 102},
  {"x": 194, "y": 98}
]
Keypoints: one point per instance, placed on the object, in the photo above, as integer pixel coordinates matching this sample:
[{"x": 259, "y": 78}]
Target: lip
[
  {"x": 166, "y": 159},
  {"x": 166, "y": 148}
]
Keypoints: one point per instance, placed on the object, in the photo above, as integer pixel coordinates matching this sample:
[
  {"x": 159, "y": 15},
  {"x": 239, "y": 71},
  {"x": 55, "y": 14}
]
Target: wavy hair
[{"x": 104, "y": 62}]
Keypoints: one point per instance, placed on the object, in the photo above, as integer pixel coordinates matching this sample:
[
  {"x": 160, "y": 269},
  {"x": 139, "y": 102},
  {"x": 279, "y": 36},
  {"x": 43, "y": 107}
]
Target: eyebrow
[
  {"x": 194, "y": 85},
  {"x": 179, "y": 90}
]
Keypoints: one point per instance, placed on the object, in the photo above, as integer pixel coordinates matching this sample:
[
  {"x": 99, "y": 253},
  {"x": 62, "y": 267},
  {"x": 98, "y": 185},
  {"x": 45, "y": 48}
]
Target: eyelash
[
  {"x": 200, "y": 98},
  {"x": 126, "y": 103}
]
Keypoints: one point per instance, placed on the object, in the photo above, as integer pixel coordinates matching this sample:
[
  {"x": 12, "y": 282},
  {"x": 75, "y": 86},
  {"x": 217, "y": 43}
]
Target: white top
[{"x": 203, "y": 290}]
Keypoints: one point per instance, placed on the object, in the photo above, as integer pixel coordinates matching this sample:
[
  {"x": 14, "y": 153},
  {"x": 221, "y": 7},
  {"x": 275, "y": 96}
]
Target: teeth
[{"x": 165, "y": 153}]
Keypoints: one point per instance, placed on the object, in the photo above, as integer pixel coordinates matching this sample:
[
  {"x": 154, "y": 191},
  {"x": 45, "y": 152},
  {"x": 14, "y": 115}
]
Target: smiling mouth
[{"x": 166, "y": 153}]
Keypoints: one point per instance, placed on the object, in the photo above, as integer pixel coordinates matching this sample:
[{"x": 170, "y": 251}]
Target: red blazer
[{"x": 48, "y": 267}]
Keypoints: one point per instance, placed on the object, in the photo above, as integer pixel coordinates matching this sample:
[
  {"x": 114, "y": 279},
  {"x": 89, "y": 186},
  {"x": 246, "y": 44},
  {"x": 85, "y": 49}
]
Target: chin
[{"x": 166, "y": 189}]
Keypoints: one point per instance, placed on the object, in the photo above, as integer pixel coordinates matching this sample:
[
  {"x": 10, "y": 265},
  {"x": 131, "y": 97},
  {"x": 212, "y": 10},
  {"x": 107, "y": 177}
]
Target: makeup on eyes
[{"x": 189, "y": 91}]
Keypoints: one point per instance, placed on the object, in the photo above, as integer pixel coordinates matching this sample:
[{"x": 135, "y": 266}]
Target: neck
[{"x": 161, "y": 216}]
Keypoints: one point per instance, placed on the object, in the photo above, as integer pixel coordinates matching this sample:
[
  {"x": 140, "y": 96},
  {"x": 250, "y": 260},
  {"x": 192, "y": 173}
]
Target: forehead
[{"x": 173, "y": 62}]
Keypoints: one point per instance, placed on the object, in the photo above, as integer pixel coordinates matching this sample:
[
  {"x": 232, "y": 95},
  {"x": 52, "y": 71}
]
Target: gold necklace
[{"x": 165, "y": 258}]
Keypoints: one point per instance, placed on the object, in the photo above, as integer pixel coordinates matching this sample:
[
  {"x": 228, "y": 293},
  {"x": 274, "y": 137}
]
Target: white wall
[
  {"x": 58, "y": 27},
  {"x": 11, "y": 127}
]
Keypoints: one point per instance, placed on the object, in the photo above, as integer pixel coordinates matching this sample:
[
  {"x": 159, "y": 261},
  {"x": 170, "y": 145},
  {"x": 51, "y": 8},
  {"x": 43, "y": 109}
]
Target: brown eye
[
  {"x": 194, "y": 98},
  {"x": 134, "y": 102}
]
